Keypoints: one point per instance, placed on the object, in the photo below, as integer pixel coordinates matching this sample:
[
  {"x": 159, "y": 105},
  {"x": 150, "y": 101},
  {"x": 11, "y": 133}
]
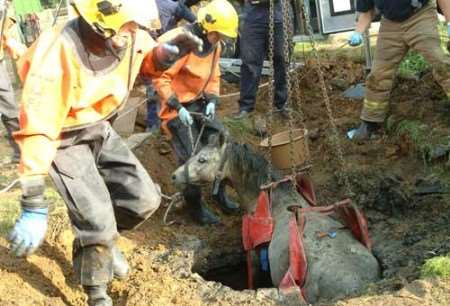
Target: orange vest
[
  {"x": 60, "y": 93},
  {"x": 189, "y": 78}
]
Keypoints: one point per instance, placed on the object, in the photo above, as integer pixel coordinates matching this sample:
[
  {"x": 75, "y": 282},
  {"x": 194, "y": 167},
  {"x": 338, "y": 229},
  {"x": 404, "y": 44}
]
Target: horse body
[{"x": 336, "y": 267}]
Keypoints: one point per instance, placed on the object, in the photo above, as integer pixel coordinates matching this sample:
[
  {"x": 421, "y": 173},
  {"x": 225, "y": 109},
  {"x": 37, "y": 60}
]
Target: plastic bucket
[{"x": 281, "y": 148}]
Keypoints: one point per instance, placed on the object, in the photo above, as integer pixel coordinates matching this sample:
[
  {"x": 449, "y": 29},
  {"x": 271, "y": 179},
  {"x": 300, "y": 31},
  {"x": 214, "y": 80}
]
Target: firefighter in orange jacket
[
  {"x": 192, "y": 85},
  {"x": 9, "y": 109},
  {"x": 76, "y": 77}
]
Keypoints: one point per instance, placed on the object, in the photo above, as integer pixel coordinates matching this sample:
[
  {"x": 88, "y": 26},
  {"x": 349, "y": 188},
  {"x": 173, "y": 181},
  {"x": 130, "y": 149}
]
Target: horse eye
[{"x": 202, "y": 159}]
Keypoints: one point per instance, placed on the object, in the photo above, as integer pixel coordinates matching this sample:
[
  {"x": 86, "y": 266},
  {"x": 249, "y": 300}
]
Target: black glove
[{"x": 171, "y": 51}]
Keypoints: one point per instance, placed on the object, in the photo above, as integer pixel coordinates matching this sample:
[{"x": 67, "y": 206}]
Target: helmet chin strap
[{"x": 110, "y": 47}]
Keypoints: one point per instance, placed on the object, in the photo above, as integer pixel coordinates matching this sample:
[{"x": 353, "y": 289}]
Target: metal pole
[
  {"x": 57, "y": 12},
  {"x": 367, "y": 51}
]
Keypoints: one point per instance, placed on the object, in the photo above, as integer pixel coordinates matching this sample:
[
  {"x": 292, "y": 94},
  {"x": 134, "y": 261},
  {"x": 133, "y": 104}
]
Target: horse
[{"x": 337, "y": 267}]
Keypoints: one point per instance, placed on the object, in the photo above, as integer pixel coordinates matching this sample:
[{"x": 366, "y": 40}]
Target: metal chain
[
  {"x": 343, "y": 174},
  {"x": 271, "y": 89},
  {"x": 288, "y": 33}
]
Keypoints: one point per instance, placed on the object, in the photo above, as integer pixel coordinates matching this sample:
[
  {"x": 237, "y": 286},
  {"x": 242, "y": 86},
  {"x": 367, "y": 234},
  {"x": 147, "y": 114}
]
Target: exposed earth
[{"x": 400, "y": 179}]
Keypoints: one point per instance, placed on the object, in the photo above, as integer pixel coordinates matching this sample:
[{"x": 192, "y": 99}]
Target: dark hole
[
  {"x": 234, "y": 276},
  {"x": 231, "y": 271}
]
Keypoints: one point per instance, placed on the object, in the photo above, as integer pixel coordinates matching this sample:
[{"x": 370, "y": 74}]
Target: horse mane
[{"x": 250, "y": 165}]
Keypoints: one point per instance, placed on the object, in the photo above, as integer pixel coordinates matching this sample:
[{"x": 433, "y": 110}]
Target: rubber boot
[
  {"x": 199, "y": 213},
  {"x": 121, "y": 268},
  {"x": 12, "y": 125},
  {"x": 365, "y": 131},
  {"x": 97, "y": 296},
  {"x": 229, "y": 207}
]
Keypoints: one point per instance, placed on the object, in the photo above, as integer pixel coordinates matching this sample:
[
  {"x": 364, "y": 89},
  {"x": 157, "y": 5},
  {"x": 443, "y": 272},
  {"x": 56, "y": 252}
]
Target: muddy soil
[{"x": 170, "y": 263}]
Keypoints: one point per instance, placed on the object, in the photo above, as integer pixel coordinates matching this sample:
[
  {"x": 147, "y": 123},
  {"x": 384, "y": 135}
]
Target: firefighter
[
  {"x": 9, "y": 109},
  {"x": 254, "y": 44},
  {"x": 170, "y": 13},
  {"x": 192, "y": 85},
  {"x": 65, "y": 132},
  {"x": 407, "y": 24}
]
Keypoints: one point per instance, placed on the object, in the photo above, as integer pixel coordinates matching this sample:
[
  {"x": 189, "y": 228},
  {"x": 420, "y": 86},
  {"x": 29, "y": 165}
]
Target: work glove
[
  {"x": 169, "y": 52},
  {"x": 185, "y": 117},
  {"x": 448, "y": 32},
  {"x": 210, "y": 109},
  {"x": 355, "y": 39},
  {"x": 29, "y": 231}
]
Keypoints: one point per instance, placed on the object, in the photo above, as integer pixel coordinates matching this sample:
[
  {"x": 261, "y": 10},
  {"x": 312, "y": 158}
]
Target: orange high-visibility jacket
[
  {"x": 188, "y": 79},
  {"x": 60, "y": 93}
]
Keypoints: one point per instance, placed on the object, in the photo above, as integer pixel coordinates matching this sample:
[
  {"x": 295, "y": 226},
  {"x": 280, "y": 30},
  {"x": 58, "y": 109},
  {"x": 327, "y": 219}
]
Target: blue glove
[
  {"x": 355, "y": 39},
  {"x": 185, "y": 117},
  {"x": 29, "y": 231},
  {"x": 210, "y": 110}
]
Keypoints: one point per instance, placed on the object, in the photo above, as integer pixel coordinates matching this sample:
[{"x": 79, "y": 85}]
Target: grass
[
  {"x": 238, "y": 128},
  {"x": 436, "y": 267},
  {"x": 413, "y": 64}
]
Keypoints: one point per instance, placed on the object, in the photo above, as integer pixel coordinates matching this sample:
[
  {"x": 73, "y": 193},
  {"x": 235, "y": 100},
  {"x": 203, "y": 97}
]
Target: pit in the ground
[{"x": 231, "y": 271}]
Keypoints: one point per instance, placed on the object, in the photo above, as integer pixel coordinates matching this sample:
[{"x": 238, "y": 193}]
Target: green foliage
[
  {"x": 418, "y": 133},
  {"x": 413, "y": 64},
  {"x": 437, "y": 267},
  {"x": 238, "y": 128}
]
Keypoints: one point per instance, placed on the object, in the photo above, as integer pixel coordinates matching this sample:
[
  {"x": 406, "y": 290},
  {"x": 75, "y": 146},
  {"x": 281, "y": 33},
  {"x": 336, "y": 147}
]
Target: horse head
[{"x": 205, "y": 166}]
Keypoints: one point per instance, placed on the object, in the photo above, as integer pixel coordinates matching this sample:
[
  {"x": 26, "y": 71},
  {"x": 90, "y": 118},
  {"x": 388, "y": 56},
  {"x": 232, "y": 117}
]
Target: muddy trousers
[
  {"x": 182, "y": 144},
  {"x": 9, "y": 109},
  {"x": 106, "y": 190},
  {"x": 12, "y": 125},
  {"x": 395, "y": 39}
]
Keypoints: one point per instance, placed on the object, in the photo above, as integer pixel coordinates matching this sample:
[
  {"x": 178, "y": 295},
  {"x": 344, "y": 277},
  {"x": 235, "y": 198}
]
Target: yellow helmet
[
  {"x": 219, "y": 16},
  {"x": 107, "y": 16}
]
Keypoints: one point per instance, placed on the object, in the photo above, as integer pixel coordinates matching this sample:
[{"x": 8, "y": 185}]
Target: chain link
[
  {"x": 343, "y": 174},
  {"x": 269, "y": 116},
  {"x": 287, "y": 46}
]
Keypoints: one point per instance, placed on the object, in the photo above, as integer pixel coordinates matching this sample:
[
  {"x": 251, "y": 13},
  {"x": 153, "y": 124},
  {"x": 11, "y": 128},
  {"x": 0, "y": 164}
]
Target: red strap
[
  {"x": 258, "y": 228},
  {"x": 298, "y": 265},
  {"x": 306, "y": 189}
]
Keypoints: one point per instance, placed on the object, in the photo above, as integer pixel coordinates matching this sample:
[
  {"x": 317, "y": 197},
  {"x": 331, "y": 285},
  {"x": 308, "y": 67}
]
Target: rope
[{"x": 10, "y": 186}]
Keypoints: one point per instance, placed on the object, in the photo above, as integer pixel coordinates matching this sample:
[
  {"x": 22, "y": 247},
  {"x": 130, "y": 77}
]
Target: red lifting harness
[{"x": 257, "y": 229}]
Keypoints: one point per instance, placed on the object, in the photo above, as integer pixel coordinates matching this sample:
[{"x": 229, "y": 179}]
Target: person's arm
[
  {"x": 364, "y": 21},
  {"x": 445, "y": 7},
  {"x": 366, "y": 11},
  {"x": 184, "y": 12},
  {"x": 44, "y": 106}
]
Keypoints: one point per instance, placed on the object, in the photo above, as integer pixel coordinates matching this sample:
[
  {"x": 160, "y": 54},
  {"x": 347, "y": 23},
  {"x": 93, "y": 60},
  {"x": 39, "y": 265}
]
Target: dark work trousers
[
  {"x": 254, "y": 44},
  {"x": 9, "y": 108},
  {"x": 182, "y": 145},
  {"x": 106, "y": 190}
]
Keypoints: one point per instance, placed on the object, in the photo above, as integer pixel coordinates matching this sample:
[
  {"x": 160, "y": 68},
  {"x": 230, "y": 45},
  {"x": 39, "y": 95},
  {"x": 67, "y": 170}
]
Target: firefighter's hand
[
  {"x": 210, "y": 110},
  {"x": 171, "y": 51},
  {"x": 29, "y": 231},
  {"x": 185, "y": 117},
  {"x": 186, "y": 42},
  {"x": 355, "y": 39}
]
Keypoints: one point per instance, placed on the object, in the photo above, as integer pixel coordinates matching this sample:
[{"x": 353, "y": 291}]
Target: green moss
[{"x": 437, "y": 267}]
